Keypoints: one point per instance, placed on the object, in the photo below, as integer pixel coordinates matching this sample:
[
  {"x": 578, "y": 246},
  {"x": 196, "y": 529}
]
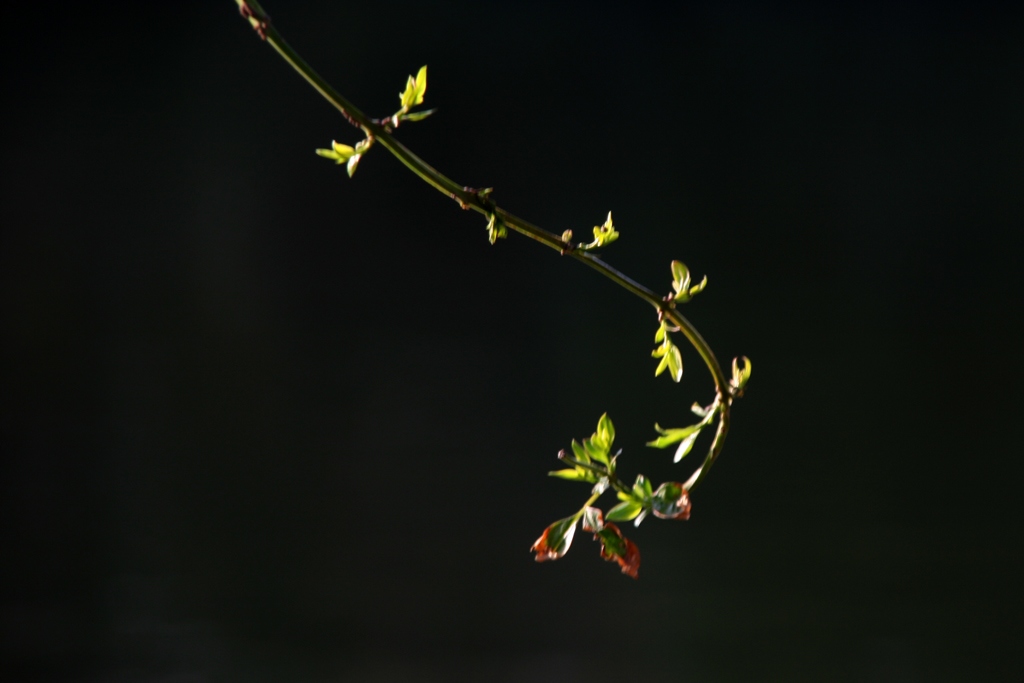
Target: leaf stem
[
  {"x": 613, "y": 479},
  {"x": 470, "y": 199},
  {"x": 590, "y": 501}
]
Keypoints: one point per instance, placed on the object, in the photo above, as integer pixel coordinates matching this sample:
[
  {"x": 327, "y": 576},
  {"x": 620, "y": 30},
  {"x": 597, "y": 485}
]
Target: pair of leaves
[
  {"x": 668, "y": 352},
  {"x": 554, "y": 543},
  {"x": 681, "y": 283},
  {"x": 614, "y": 546},
  {"x": 684, "y": 436},
  {"x": 635, "y": 504},
  {"x": 343, "y": 154},
  {"x": 415, "y": 89}
]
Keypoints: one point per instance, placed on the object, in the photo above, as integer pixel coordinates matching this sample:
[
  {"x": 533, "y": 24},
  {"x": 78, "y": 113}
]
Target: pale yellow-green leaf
[
  {"x": 421, "y": 85},
  {"x": 409, "y": 94},
  {"x": 675, "y": 363},
  {"x": 570, "y": 474},
  {"x": 580, "y": 452},
  {"x": 685, "y": 445},
  {"x": 673, "y": 436},
  {"x": 662, "y": 365},
  {"x": 607, "y": 431},
  {"x": 623, "y": 512},
  {"x": 699, "y": 287},
  {"x": 343, "y": 151},
  {"x": 418, "y": 115},
  {"x": 680, "y": 276}
]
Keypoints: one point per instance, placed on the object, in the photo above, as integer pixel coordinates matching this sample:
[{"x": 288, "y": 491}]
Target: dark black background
[{"x": 262, "y": 422}]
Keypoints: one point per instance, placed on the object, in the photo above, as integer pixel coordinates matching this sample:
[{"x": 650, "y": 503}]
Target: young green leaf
[
  {"x": 668, "y": 352},
  {"x": 495, "y": 228},
  {"x": 680, "y": 277},
  {"x": 684, "y": 446},
  {"x": 672, "y": 436},
  {"x": 699, "y": 287},
  {"x": 575, "y": 474},
  {"x": 681, "y": 283},
  {"x": 580, "y": 452},
  {"x": 421, "y": 85},
  {"x": 638, "y": 487},
  {"x": 675, "y": 363},
  {"x": 603, "y": 235},
  {"x": 415, "y": 88},
  {"x": 606, "y": 432},
  {"x": 417, "y": 115},
  {"x": 595, "y": 451},
  {"x": 642, "y": 489},
  {"x": 623, "y": 512},
  {"x": 340, "y": 153},
  {"x": 662, "y": 365}
]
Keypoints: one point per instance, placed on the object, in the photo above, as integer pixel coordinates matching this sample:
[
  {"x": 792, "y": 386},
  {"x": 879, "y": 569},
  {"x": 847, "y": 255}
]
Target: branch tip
[{"x": 258, "y": 18}]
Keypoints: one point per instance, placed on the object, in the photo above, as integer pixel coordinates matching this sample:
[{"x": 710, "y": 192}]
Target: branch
[{"x": 469, "y": 198}]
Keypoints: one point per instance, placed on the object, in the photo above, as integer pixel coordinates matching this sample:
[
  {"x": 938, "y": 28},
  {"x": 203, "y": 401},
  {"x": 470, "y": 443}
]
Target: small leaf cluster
[
  {"x": 635, "y": 502},
  {"x": 681, "y": 283},
  {"x": 412, "y": 96},
  {"x": 684, "y": 436},
  {"x": 603, "y": 235},
  {"x": 614, "y": 546},
  {"x": 343, "y": 154},
  {"x": 668, "y": 352},
  {"x": 592, "y": 462},
  {"x": 496, "y": 229}
]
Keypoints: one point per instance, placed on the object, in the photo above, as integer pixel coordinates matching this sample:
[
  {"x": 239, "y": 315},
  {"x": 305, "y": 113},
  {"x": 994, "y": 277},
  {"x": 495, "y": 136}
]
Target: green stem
[
  {"x": 590, "y": 501},
  {"x": 613, "y": 479},
  {"x": 469, "y": 199}
]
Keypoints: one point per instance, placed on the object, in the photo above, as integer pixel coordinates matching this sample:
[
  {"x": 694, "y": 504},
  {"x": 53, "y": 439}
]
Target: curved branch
[{"x": 469, "y": 198}]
